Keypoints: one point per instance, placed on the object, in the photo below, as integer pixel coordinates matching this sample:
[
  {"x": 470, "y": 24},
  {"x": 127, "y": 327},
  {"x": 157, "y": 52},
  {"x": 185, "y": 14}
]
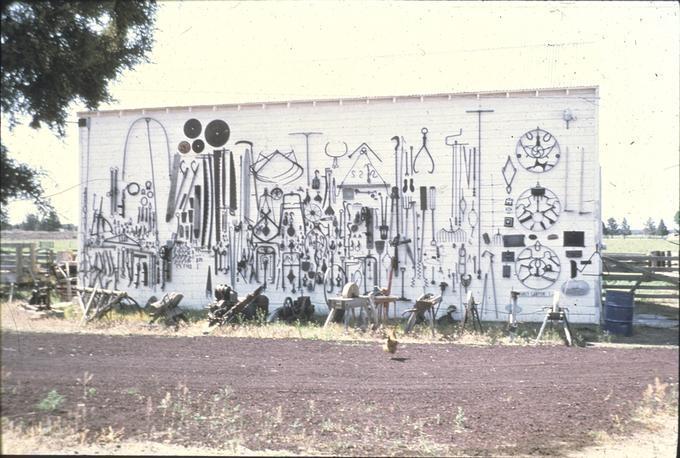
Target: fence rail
[{"x": 654, "y": 275}]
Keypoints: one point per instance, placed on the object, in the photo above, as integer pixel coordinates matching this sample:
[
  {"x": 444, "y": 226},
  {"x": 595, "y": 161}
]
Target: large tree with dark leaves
[{"x": 58, "y": 52}]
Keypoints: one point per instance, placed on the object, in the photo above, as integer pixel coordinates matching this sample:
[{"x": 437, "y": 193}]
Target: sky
[{"x": 232, "y": 52}]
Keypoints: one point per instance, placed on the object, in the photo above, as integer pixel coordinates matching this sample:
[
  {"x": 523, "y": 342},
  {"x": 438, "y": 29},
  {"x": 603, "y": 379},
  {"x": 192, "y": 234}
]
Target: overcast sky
[{"x": 224, "y": 52}]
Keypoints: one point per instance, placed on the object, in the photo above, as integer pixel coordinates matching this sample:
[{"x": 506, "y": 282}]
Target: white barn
[{"x": 488, "y": 192}]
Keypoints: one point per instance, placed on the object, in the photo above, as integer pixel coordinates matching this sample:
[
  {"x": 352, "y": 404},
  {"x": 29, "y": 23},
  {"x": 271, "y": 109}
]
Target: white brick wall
[{"x": 374, "y": 122}]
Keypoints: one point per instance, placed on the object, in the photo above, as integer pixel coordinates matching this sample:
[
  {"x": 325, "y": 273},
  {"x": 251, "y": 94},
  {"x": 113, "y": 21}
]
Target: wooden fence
[
  {"x": 24, "y": 263},
  {"x": 29, "y": 264},
  {"x": 650, "y": 277}
]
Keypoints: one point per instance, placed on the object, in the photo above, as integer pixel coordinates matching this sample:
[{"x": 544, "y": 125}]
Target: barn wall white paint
[{"x": 118, "y": 136}]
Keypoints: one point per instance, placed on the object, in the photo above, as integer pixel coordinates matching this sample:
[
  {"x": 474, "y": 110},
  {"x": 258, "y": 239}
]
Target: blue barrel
[{"x": 618, "y": 312}]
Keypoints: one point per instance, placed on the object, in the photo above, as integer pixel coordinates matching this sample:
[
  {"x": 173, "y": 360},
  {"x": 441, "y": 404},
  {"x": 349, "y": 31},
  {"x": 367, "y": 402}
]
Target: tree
[
  {"x": 625, "y": 228},
  {"x": 662, "y": 229},
  {"x": 18, "y": 181},
  {"x": 605, "y": 231},
  {"x": 31, "y": 223},
  {"x": 50, "y": 222},
  {"x": 4, "y": 223},
  {"x": 613, "y": 226},
  {"x": 55, "y": 53},
  {"x": 650, "y": 227}
]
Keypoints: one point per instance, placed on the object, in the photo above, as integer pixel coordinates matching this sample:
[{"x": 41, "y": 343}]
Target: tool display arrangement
[{"x": 362, "y": 207}]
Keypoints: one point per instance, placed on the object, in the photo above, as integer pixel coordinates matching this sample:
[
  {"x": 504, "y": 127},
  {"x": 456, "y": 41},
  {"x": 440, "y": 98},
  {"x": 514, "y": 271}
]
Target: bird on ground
[{"x": 391, "y": 343}]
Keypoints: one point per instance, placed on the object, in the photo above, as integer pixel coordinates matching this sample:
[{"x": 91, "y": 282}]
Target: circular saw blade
[
  {"x": 217, "y": 133},
  {"x": 198, "y": 145},
  {"x": 192, "y": 128}
]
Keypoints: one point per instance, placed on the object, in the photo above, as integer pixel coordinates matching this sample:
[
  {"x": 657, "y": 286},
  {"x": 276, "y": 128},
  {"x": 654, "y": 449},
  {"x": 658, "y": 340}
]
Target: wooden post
[
  {"x": 89, "y": 302},
  {"x": 33, "y": 261},
  {"x": 18, "y": 263},
  {"x": 67, "y": 278}
]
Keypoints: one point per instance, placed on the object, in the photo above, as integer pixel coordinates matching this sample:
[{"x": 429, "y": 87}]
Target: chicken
[{"x": 391, "y": 343}]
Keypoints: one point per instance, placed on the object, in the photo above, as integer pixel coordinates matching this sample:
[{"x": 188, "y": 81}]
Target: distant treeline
[
  {"x": 612, "y": 227},
  {"x": 49, "y": 222}
]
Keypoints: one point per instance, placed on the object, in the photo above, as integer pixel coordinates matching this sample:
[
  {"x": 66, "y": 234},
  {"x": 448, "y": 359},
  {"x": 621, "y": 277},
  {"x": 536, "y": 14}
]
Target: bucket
[{"x": 618, "y": 312}]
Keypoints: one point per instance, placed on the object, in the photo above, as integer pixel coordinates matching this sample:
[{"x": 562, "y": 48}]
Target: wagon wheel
[{"x": 313, "y": 212}]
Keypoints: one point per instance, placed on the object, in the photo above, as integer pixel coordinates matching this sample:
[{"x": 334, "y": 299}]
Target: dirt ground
[{"x": 348, "y": 398}]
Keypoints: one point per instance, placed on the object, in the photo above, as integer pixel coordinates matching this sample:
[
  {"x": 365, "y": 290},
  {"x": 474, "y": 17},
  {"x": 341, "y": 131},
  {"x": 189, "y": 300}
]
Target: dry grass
[
  {"x": 13, "y": 318},
  {"x": 655, "y": 425},
  {"x": 53, "y": 439}
]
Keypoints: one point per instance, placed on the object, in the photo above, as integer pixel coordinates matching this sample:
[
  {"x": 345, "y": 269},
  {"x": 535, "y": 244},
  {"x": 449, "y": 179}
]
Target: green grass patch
[
  {"x": 51, "y": 402},
  {"x": 640, "y": 245}
]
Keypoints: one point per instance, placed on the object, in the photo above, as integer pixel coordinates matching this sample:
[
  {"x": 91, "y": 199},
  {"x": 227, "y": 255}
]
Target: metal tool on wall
[
  {"x": 422, "y": 149},
  {"x": 467, "y": 164},
  {"x": 566, "y": 180},
  {"x": 418, "y": 264},
  {"x": 479, "y": 173},
  {"x": 291, "y": 270},
  {"x": 461, "y": 234},
  {"x": 198, "y": 215},
  {"x": 497, "y": 237},
  {"x": 473, "y": 219},
  {"x": 175, "y": 171},
  {"x": 379, "y": 249},
  {"x": 493, "y": 279},
  {"x": 509, "y": 171},
  {"x": 405, "y": 161},
  {"x": 447, "y": 235},
  {"x": 327, "y": 198},
  {"x": 431, "y": 196},
  {"x": 217, "y": 133},
  {"x": 537, "y": 208},
  {"x": 397, "y": 141},
  {"x": 537, "y": 151},
  {"x": 232, "y": 185},
  {"x": 453, "y": 143},
  {"x": 369, "y": 265},
  {"x": 407, "y": 204},
  {"x": 113, "y": 190},
  {"x": 354, "y": 173},
  {"x": 205, "y": 207},
  {"x": 335, "y": 156},
  {"x": 396, "y": 210},
  {"x": 211, "y": 193},
  {"x": 245, "y": 180},
  {"x": 307, "y": 135},
  {"x": 423, "y": 209},
  {"x": 277, "y": 168},
  {"x": 537, "y": 266},
  {"x": 217, "y": 159},
  {"x": 265, "y": 260},
  {"x": 182, "y": 199}
]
